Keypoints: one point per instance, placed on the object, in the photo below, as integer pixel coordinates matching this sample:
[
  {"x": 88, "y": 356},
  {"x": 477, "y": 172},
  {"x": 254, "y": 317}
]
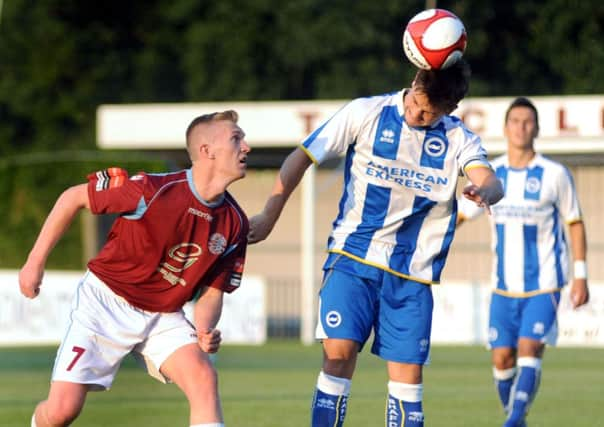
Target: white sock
[
  {"x": 208, "y": 425},
  {"x": 33, "y": 420},
  {"x": 335, "y": 386},
  {"x": 406, "y": 392}
]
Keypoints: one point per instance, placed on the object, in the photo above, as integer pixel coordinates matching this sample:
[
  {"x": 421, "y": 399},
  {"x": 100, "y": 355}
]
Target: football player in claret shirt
[
  {"x": 179, "y": 236},
  {"x": 530, "y": 259},
  {"x": 389, "y": 242}
]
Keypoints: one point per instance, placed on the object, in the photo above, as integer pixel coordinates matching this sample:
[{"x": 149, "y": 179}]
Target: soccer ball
[{"x": 434, "y": 39}]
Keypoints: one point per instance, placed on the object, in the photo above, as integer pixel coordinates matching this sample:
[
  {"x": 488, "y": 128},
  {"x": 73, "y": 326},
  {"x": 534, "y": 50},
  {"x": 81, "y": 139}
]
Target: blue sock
[
  {"x": 404, "y": 407},
  {"x": 330, "y": 401},
  {"x": 504, "y": 378},
  {"x": 523, "y": 391}
]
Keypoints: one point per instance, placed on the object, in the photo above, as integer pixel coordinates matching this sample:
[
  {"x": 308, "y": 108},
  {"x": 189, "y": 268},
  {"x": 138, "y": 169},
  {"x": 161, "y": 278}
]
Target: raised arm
[
  {"x": 485, "y": 189},
  {"x": 291, "y": 172},
  {"x": 60, "y": 217}
]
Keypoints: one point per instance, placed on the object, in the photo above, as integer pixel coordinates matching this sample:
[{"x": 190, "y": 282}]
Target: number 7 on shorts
[{"x": 79, "y": 351}]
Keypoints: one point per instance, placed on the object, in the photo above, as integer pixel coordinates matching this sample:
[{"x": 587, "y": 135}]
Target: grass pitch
[{"x": 272, "y": 385}]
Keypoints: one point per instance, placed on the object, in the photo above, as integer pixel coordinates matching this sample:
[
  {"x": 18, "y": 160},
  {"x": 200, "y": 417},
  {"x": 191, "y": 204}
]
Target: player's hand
[
  {"x": 30, "y": 279},
  {"x": 209, "y": 341},
  {"x": 260, "y": 228},
  {"x": 476, "y": 194},
  {"x": 579, "y": 293}
]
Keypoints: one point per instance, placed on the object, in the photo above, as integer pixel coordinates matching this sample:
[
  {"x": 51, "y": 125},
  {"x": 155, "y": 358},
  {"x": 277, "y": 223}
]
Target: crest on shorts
[{"x": 217, "y": 244}]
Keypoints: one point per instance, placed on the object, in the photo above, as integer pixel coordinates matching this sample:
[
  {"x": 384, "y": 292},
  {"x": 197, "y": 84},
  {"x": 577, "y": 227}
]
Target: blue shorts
[
  {"x": 356, "y": 300},
  {"x": 531, "y": 317}
]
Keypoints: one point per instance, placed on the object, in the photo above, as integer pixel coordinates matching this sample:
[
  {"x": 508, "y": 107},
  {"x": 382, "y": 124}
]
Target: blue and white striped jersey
[
  {"x": 398, "y": 207},
  {"x": 531, "y": 253}
]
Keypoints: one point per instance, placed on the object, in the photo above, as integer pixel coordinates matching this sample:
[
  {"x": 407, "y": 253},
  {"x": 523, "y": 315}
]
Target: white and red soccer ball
[{"x": 434, "y": 39}]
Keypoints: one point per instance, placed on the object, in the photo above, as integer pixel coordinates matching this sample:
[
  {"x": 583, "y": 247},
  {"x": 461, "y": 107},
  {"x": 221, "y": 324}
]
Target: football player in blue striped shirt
[
  {"x": 531, "y": 259},
  {"x": 397, "y": 214}
]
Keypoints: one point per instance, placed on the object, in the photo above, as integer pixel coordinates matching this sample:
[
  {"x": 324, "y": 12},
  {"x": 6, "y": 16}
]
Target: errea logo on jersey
[
  {"x": 387, "y": 136},
  {"x": 201, "y": 214}
]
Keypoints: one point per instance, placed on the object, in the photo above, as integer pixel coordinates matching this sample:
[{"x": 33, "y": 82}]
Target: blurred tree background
[{"x": 61, "y": 59}]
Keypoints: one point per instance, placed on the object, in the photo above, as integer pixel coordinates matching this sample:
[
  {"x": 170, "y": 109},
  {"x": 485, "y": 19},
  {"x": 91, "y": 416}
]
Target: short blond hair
[{"x": 230, "y": 115}]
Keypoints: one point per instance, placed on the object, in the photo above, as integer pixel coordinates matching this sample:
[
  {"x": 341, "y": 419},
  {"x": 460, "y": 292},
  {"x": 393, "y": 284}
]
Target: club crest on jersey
[
  {"x": 434, "y": 147},
  {"x": 533, "y": 185},
  {"x": 217, "y": 244},
  {"x": 387, "y": 136}
]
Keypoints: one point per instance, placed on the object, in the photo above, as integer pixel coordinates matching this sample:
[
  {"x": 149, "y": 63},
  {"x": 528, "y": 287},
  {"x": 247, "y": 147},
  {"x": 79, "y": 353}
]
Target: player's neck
[
  {"x": 210, "y": 188},
  {"x": 520, "y": 158}
]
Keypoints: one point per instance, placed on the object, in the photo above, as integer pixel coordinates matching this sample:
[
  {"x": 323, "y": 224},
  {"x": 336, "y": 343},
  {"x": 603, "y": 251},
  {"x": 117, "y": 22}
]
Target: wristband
[{"x": 580, "y": 269}]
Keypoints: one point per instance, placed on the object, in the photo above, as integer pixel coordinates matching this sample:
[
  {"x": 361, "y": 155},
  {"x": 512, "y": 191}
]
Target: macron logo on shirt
[{"x": 201, "y": 214}]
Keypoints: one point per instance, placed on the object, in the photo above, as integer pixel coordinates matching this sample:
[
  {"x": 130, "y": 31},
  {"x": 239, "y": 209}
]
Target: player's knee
[
  {"x": 62, "y": 413},
  {"x": 342, "y": 367},
  {"x": 504, "y": 359},
  {"x": 200, "y": 381}
]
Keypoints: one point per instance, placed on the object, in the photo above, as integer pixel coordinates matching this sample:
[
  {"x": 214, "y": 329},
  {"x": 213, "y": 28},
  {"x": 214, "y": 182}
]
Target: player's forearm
[
  {"x": 289, "y": 177},
  {"x": 578, "y": 241},
  {"x": 208, "y": 310},
  {"x": 58, "y": 221}
]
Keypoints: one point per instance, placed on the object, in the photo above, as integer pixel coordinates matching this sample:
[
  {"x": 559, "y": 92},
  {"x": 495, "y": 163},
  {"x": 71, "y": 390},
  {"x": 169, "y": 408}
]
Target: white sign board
[
  {"x": 568, "y": 124},
  {"x": 461, "y": 316},
  {"x": 43, "y": 320}
]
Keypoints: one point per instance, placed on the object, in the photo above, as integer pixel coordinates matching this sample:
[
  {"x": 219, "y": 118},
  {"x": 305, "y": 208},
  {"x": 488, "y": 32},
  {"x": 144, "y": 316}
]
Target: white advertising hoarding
[
  {"x": 568, "y": 124},
  {"x": 43, "y": 320},
  {"x": 461, "y": 315}
]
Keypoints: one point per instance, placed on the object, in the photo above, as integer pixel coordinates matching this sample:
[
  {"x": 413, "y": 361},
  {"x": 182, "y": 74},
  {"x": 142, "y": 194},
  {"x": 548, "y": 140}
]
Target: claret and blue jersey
[
  {"x": 528, "y": 226},
  {"x": 398, "y": 209}
]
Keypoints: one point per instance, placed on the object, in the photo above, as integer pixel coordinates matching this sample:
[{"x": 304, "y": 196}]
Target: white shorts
[{"x": 104, "y": 328}]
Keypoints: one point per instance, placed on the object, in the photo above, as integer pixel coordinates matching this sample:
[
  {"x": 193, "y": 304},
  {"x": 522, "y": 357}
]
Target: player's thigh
[
  {"x": 191, "y": 370},
  {"x": 539, "y": 317},
  {"x": 103, "y": 329},
  {"x": 66, "y": 398},
  {"x": 404, "y": 322},
  {"x": 347, "y": 307},
  {"x": 504, "y": 321},
  {"x": 170, "y": 333}
]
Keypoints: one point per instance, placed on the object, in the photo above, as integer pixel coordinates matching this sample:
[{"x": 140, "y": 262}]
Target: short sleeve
[
  {"x": 112, "y": 191},
  {"x": 568, "y": 203},
  {"x": 333, "y": 137},
  {"x": 227, "y": 275}
]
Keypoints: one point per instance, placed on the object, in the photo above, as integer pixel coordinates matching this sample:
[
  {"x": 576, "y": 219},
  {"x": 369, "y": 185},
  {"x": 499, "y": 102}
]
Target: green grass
[{"x": 271, "y": 386}]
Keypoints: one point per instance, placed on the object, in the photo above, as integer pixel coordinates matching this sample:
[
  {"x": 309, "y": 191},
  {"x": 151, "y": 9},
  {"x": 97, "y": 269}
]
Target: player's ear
[{"x": 206, "y": 151}]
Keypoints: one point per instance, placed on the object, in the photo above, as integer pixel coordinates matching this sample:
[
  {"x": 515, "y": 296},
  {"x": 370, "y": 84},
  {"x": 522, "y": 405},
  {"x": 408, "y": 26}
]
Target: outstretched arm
[
  {"x": 579, "y": 292},
  {"x": 289, "y": 177},
  {"x": 485, "y": 189},
  {"x": 60, "y": 217}
]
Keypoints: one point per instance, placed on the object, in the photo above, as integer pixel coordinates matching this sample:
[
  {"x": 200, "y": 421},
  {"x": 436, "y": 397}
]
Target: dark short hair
[
  {"x": 521, "y": 101},
  {"x": 230, "y": 115},
  {"x": 446, "y": 87}
]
